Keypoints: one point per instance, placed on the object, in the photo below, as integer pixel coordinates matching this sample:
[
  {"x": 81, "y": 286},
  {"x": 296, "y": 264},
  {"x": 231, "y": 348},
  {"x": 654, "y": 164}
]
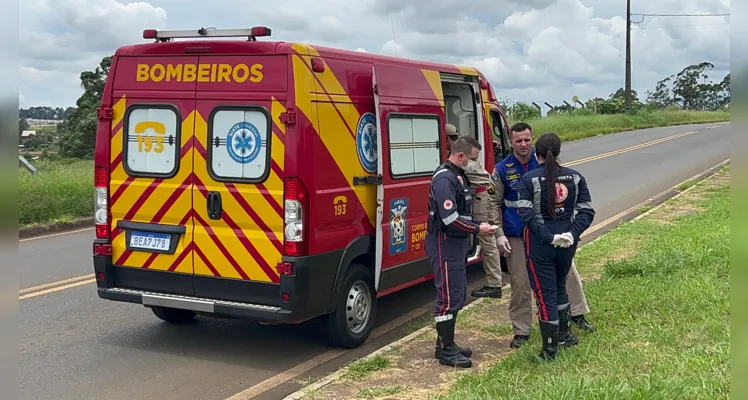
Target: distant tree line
[
  {"x": 45, "y": 112},
  {"x": 690, "y": 89}
]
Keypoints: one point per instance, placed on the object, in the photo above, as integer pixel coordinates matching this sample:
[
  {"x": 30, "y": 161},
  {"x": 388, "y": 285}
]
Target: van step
[{"x": 188, "y": 302}]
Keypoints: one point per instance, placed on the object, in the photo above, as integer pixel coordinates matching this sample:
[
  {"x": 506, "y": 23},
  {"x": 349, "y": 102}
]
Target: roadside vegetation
[
  {"x": 61, "y": 191},
  {"x": 582, "y": 125},
  {"x": 659, "y": 291}
]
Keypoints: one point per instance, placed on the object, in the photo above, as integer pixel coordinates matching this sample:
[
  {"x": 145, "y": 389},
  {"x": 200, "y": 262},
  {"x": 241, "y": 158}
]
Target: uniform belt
[{"x": 480, "y": 190}]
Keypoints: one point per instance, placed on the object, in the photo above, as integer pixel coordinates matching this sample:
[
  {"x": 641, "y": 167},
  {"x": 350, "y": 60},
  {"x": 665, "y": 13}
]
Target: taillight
[
  {"x": 101, "y": 208},
  {"x": 295, "y": 202}
]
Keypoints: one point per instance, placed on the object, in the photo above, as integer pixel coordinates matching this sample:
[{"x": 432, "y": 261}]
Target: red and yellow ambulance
[{"x": 271, "y": 180}]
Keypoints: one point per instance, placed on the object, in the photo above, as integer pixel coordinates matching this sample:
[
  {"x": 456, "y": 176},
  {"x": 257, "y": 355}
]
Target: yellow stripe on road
[
  {"x": 46, "y": 285},
  {"x": 56, "y": 289},
  {"x": 627, "y": 149}
]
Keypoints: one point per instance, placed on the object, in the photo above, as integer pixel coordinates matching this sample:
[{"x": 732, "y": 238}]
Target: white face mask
[{"x": 473, "y": 166}]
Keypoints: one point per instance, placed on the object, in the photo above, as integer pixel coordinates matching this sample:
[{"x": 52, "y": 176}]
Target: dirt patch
[{"x": 414, "y": 373}]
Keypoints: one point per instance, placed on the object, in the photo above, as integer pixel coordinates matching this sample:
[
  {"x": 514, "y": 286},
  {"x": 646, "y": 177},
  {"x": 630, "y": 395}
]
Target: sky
[{"x": 530, "y": 50}]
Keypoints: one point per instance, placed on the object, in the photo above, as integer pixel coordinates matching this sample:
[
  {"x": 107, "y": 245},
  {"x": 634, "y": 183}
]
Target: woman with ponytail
[{"x": 556, "y": 208}]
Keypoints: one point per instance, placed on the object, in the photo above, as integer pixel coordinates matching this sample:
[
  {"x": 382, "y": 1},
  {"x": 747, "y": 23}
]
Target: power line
[
  {"x": 683, "y": 15},
  {"x": 627, "y": 87},
  {"x": 677, "y": 26},
  {"x": 675, "y": 15}
]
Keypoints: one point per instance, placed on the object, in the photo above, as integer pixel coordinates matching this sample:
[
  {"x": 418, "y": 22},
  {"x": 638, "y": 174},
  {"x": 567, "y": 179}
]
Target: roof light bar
[{"x": 163, "y": 36}]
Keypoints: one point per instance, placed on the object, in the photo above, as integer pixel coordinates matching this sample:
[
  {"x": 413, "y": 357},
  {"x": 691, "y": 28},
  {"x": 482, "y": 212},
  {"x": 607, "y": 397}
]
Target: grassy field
[
  {"x": 573, "y": 127},
  {"x": 662, "y": 305},
  {"x": 60, "y": 191},
  {"x": 64, "y": 190}
]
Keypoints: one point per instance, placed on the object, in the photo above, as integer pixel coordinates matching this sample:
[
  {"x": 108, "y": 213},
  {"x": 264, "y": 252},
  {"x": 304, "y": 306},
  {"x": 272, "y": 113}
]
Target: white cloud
[{"x": 531, "y": 50}]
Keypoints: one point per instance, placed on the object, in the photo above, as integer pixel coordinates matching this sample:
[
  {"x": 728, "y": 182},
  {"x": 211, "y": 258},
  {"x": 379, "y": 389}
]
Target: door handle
[{"x": 215, "y": 209}]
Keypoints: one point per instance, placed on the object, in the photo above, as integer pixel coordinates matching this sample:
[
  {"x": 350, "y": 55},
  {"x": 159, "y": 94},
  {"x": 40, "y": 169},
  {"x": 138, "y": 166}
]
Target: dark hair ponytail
[{"x": 549, "y": 147}]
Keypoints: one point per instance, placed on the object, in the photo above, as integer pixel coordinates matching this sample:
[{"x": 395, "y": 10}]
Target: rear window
[
  {"x": 239, "y": 149},
  {"x": 152, "y": 137}
]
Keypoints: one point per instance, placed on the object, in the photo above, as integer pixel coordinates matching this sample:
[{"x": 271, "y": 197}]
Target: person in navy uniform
[
  {"x": 555, "y": 206},
  {"x": 450, "y": 225},
  {"x": 505, "y": 178}
]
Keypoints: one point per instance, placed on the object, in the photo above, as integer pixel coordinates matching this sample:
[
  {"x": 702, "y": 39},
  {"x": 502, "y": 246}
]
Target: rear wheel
[
  {"x": 355, "y": 309},
  {"x": 174, "y": 315}
]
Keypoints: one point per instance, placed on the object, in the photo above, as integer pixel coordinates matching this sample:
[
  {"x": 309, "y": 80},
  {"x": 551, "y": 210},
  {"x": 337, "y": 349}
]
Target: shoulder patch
[
  {"x": 448, "y": 204},
  {"x": 495, "y": 176}
]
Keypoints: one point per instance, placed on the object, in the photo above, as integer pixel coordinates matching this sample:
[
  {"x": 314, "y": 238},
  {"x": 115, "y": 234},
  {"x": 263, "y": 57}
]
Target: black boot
[
  {"x": 549, "y": 333},
  {"x": 518, "y": 341},
  {"x": 565, "y": 337},
  {"x": 487, "y": 291},
  {"x": 583, "y": 324},
  {"x": 449, "y": 353},
  {"x": 465, "y": 351}
]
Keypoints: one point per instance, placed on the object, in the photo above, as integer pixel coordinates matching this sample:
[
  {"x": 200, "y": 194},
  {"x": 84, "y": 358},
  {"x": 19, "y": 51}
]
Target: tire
[
  {"x": 356, "y": 303},
  {"x": 174, "y": 315}
]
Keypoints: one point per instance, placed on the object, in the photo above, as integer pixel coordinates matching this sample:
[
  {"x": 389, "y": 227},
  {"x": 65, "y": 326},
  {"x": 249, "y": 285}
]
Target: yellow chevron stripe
[
  {"x": 334, "y": 131},
  {"x": 149, "y": 209},
  {"x": 118, "y": 111},
  {"x": 434, "y": 80},
  {"x": 236, "y": 212},
  {"x": 467, "y": 70}
]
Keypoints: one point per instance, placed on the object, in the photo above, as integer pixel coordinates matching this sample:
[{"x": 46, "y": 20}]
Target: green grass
[
  {"x": 61, "y": 191},
  {"x": 573, "y": 127},
  {"x": 362, "y": 368},
  {"x": 663, "y": 315},
  {"x": 372, "y": 393}
]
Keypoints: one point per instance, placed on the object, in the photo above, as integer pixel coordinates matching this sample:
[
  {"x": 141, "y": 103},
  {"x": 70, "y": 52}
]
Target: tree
[
  {"x": 691, "y": 89},
  {"x": 687, "y": 87},
  {"x": 725, "y": 85},
  {"x": 23, "y": 125},
  {"x": 79, "y": 136}
]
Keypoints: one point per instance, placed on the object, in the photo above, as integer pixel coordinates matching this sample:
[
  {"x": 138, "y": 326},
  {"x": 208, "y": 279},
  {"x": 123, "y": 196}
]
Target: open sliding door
[{"x": 410, "y": 136}]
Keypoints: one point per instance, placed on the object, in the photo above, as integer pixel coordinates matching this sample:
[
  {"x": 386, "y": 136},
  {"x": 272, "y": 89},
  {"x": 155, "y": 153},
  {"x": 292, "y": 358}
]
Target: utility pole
[{"x": 627, "y": 89}]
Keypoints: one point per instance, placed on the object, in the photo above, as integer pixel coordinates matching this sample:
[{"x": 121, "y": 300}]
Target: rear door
[
  {"x": 410, "y": 136},
  {"x": 238, "y": 165},
  {"x": 151, "y": 173}
]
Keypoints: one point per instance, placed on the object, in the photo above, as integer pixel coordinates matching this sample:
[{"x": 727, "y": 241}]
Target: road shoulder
[{"x": 407, "y": 368}]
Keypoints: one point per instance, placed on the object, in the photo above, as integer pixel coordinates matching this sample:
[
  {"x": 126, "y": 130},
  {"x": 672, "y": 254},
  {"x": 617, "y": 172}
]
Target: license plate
[{"x": 150, "y": 241}]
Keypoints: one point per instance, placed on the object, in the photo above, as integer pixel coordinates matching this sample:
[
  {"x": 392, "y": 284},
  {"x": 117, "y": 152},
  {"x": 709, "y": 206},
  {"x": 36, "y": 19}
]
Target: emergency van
[{"x": 275, "y": 181}]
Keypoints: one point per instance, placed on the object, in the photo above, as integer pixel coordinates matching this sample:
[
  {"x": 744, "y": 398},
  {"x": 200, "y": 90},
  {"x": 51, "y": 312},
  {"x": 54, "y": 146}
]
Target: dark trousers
[
  {"x": 547, "y": 267},
  {"x": 447, "y": 255}
]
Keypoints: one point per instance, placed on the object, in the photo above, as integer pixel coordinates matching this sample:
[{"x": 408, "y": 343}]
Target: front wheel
[{"x": 356, "y": 306}]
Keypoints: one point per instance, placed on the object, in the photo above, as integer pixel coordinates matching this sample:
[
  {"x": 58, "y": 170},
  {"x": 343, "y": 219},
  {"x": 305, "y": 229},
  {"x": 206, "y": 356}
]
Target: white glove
[
  {"x": 560, "y": 241},
  {"x": 570, "y": 237},
  {"x": 503, "y": 244}
]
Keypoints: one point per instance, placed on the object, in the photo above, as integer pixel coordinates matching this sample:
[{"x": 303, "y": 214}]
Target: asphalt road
[{"x": 75, "y": 346}]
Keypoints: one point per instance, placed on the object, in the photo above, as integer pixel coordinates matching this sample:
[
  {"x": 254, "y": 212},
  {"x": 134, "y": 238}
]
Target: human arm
[
  {"x": 443, "y": 190},
  {"x": 527, "y": 213},
  {"x": 494, "y": 202},
  {"x": 583, "y": 210}
]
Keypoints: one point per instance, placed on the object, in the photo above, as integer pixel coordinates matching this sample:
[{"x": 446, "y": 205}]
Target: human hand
[
  {"x": 503, "y": 244},
  {"x": 570, "y": 237},
  {"x": 486, "y": 229},
  {"x": 561, "y": 241}
]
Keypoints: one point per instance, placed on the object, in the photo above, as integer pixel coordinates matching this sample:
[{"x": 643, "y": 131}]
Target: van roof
[{"x": 244, "y": 47}]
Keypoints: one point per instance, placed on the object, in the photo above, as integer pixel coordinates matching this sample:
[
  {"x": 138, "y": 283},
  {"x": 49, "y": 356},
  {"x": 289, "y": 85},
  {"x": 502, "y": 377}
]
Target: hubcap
[{"x": 358, "y": 307}]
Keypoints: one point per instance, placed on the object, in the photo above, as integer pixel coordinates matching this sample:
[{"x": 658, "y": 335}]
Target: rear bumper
[
  {"x": 201, "y": 305},
  {"x": 306, "y": 294}
]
